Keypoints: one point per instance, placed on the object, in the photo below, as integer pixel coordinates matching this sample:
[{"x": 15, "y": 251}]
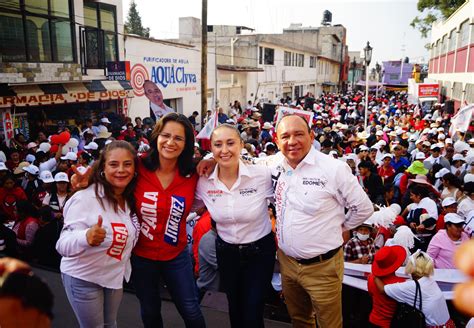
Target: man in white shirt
[
  {"x": 312, "y": 191},
  {"x": 154, "y": 94}
]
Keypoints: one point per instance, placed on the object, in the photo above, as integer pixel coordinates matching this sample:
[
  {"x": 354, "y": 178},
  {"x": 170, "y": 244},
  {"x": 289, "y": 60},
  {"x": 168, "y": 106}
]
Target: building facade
[
  {"x": 452, "y": 55},
  {"x": 53, "y": 58}
]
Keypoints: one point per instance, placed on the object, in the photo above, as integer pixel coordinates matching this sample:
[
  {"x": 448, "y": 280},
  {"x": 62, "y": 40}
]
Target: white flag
[
  {"x": 461, "y": 121},
  {"x": 206, "y": 131}
]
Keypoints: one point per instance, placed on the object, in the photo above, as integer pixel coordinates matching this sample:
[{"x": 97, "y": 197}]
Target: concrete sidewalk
[{"x": 129, "y": 313}]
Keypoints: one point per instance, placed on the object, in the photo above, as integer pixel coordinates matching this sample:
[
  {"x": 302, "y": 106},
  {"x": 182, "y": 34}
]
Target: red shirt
[
  {"x": 200, "y": 229},
  {"x": 162, "y": 214},
  {"x": 386, "y": 174},
  {"x": 8, "y": 200},
  {"x": 383, "y": 307}
]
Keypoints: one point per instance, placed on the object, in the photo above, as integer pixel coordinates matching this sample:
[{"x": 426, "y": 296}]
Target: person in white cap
[
  {"x": 436, "y": 157},
  {"x": 3, "y": 170},
  {"x": 450, "y": 205},
  {"x": 59, "y": 194},
  {"x": 32, "y": 183},
  {"x": 458, "y": 166},
  {"x": 445, "y": 242}
]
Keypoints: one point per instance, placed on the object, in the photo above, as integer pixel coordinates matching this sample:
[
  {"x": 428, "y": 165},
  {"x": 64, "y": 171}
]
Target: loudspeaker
[{"x": 268, "y": 112}]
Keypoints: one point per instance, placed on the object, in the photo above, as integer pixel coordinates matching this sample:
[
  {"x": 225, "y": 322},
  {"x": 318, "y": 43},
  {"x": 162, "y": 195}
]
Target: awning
[
  {"x": 234, "y": 68},
  {"x": 330, "y": 84},
  {"x": 62, "y": 93}
]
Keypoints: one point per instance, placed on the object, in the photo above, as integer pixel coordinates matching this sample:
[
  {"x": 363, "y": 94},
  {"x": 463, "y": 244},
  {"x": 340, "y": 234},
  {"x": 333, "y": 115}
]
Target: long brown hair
[{"x": 101, "y": 183}]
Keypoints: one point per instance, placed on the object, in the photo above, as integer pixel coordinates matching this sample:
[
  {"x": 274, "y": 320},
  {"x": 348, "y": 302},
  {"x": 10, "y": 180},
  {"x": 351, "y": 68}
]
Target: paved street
[{"x": 129, "y": 310}]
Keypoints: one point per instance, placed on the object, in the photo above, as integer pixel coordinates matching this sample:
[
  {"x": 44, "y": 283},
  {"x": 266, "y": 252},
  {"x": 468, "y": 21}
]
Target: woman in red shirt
[
  {"x": 386, "y": 171},
  {"x": 164, "y": 195},
  {"x": 10, "y": 194},
  {"x": 386, "y": 261}
]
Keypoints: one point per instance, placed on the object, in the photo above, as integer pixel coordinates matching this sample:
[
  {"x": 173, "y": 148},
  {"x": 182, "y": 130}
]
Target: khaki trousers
[{"x": 313, "y": 291}]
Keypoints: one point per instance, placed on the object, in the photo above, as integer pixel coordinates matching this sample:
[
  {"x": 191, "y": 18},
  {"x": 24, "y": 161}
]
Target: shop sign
[
  {"x": 72, "y": 97},
  {"x": 428, "y": 90},
  {"x": 118, "y": 71},
  {"x": 7, "y": 126}
]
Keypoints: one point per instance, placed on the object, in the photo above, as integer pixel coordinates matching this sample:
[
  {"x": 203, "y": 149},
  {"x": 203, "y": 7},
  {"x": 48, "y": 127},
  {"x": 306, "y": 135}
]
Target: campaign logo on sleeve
[
  {"x": 173, "y": 223},
  {"x": 119, "y": 240}
]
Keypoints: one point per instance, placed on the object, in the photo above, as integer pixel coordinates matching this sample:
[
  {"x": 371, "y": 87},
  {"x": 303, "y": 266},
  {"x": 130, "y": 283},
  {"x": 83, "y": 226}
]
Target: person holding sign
[{"x": 100, "y": 230}]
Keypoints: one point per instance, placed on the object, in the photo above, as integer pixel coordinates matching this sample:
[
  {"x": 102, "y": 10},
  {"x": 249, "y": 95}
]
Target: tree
[
  {"x": 433, "y": 10},
  {"x": 133, "y": 25}
]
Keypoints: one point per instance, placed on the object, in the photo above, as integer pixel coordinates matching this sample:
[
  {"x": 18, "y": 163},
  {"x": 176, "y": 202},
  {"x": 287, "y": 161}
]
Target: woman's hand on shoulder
[{"x": 205, "y": 167}]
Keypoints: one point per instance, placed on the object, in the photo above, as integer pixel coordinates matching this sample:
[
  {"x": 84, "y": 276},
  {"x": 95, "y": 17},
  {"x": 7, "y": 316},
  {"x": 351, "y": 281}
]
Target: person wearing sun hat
[{"x": 386, "y": 261}]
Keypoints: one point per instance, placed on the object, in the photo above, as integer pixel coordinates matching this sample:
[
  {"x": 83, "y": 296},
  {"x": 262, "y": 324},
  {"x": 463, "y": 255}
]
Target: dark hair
[
  {"x": 46, "y": 213},
  {"x": 365, "y": 164},
  {"x": 419, "y": 190},
  {"x": 387, "y": 187},
  {"x": 26, "y": 209},
  {"x": 185, "y": 160},
  {"x": 101, "y": 182},
  {"x": 452, "y": 180}
]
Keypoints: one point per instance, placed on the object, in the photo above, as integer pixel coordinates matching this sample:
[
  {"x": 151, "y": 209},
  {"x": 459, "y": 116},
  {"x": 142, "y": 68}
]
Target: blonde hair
[{"x": 420, "y": 264}]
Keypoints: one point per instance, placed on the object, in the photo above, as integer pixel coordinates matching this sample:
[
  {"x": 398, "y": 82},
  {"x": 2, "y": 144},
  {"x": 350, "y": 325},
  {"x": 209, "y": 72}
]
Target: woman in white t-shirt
[
  {"x": 421, "y": 268},
  {"x": 100, "y": 230}
]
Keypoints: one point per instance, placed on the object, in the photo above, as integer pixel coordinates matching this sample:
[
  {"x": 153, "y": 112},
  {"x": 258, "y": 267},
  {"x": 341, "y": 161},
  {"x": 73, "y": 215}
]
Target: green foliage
[
  {"x": 133, "y": 25},
  {"x": 432, "y": 10}
]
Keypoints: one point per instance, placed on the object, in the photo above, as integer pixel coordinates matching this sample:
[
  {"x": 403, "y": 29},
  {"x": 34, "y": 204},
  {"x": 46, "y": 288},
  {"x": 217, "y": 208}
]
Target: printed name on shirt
[
  {"x": 280, "y": 205},
  {"x": 315, "y": 182},
  {"x": 172, "y": 225},
  {"x": 275, "y": 180},
  {"x": 247, "y": 191},
  {"x": 119, "y": 240},
  {"x": 149, "y": 213}
]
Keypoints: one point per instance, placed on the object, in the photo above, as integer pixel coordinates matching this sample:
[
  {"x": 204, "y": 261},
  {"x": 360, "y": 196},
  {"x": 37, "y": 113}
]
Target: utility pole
[{"x": 204, "y": 60}]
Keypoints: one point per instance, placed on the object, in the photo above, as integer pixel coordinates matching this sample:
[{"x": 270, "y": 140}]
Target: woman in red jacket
[{"x": 164, "y": 195}]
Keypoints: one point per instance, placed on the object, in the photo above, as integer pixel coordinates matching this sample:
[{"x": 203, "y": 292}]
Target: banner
[
  {"x": 284, "y": 111},
  {"x": 7, "y": 126},
  {"x": 206, "y": 131},
  {"x": 461, "y": 121}
]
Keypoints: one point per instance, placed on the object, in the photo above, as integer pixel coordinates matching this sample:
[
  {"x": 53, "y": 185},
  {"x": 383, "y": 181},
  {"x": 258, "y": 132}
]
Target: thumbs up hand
[{"x": 96, "y": 234}]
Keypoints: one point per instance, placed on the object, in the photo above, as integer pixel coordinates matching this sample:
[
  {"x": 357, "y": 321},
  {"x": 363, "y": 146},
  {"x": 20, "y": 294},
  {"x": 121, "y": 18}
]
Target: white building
[{"x": 452, "y": 55}]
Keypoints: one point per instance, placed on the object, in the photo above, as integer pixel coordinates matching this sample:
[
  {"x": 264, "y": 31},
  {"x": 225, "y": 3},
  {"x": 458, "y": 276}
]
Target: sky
[{"x": 385, "y": 23}]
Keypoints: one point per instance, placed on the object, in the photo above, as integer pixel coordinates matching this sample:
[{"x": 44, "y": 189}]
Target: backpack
[{"x": 409, "y": 316}]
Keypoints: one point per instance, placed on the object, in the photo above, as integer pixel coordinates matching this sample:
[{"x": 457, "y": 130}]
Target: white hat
[
  {"x": 3, "y": 158},
  {"x": 3, "y": 167},
  {"x": 105, "y": 120},
  {"x": 44, "y": 146},
  {"x": 103, "y": 132},
  {"x": 61, "y": 177},
  {"x": 399, "y": 131},
  {"x": 363, "y": 148},
  {"x": 31, "y": 169},
  {"x": 30, "y": 158},
  {"x": 420, "y": 155},
  {"x": 387, "y": 155},
  {"x": 91, "y": 146},
  {"x": 441, "y": 173},
  {"x": 418, "y": 141},
  {"x": 426, "y": 143},
  {"x": 267, "y": 126},
  {"x": 434, "y": 146},
  {"x": 32, "y": 145},
  {"x": 453, "y": 218},
  {"x": 448, "y": 201},
  {"x": 458, "y": 157},
  {"x": 70, "y": 156},
  {"x": 441, "y": 136},
  {"x": 448, "y": 140},
  {"x": 46, "y": 176},
  {"x": 413, "y": 137},
  {"x": 440, "y": 129},
  {"x": 107, "y": 142},
  {"x": 379, "y": 133},
  {"x": 382, "y": 143},
  {"x": 469, "y": 178}
]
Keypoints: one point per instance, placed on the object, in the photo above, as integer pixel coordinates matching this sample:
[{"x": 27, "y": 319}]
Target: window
[
  {"x": 99, "y": 34},
  {"x": 464, "y": 34},
  {"x": 260, "y": 55},
  {"x": 36, "y": 31},
  {"x": 452, "y": 40},
  {"x": 300, "y": 60},
  {"x": 287, "y": 58},
  {"x": 444, "y": 44},
  {"x": 312, "y": 61},
  {"x": 269, "y": 56}
]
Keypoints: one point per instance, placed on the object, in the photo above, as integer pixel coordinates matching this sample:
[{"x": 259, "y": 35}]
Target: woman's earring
[{"x": 102, "y": 174}]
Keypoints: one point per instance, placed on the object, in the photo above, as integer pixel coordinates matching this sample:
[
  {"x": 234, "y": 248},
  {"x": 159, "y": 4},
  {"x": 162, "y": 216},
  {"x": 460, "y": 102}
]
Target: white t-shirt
[{"x": 433, "y": 303}]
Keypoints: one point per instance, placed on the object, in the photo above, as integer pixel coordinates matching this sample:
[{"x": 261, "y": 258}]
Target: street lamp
[
  {"x": 353, "y": 66},
  {"x": 378, "y": 68},
  {"x": 368, "y": 58}
]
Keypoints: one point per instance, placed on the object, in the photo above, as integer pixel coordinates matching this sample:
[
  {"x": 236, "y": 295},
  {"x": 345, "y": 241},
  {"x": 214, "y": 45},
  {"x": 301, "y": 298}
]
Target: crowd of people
[{"x": 285, "y": 202}]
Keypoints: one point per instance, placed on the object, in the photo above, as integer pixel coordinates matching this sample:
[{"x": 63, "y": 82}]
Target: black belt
[
  {"x": 247, "y": 245},
  {"x": 319, "y": 258}
]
